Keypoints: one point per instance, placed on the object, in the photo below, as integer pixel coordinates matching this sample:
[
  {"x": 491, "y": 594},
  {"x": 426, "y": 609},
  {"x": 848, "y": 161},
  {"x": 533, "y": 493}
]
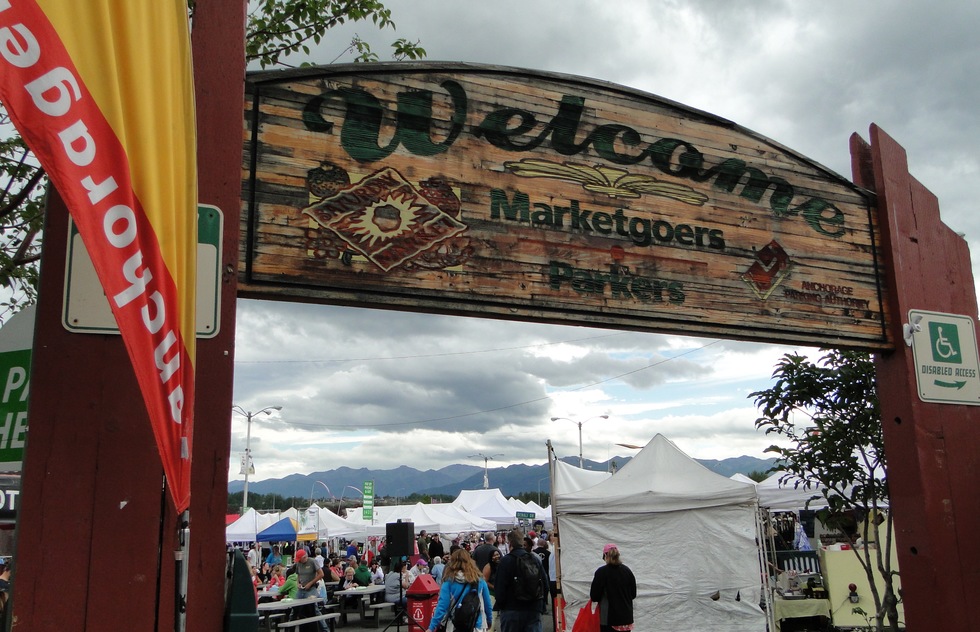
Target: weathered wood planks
[{"x": 513, "y": 194}]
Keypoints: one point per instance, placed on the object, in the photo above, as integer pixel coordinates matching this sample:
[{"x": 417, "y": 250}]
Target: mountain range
[{"x": 450, "y": 480}]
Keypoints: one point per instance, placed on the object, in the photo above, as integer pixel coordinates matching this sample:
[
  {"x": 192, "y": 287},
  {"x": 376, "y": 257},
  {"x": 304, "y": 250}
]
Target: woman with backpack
[{"x": 464, "y": 597}]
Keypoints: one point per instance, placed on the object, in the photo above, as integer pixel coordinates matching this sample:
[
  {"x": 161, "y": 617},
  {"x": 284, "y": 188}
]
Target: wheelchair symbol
[
  {"x": 944, "y": 338},
  {"x": 944, "y": 349}
]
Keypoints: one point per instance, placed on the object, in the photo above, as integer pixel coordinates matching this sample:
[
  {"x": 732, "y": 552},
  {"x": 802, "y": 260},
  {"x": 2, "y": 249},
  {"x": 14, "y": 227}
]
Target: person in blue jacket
[{"x": 459, "y": 576}]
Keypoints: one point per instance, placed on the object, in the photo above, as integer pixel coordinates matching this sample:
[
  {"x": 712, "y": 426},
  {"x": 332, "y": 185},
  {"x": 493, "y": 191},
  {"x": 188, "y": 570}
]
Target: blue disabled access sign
[{"x": 947, "y": 369}]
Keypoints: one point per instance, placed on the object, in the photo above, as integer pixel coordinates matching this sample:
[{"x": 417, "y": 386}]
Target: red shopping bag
[{"x": 587, "y": 619}]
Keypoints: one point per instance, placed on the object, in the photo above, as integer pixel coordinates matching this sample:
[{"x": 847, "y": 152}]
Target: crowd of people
[{"x": 490, "y": 565}]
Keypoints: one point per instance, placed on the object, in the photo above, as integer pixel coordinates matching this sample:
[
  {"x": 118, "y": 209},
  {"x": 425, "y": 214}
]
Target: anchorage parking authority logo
[{"x": 771, "y": 266}]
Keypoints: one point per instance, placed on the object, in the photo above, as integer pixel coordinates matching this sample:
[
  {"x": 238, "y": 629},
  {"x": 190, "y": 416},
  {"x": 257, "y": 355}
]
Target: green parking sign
[
  {"x": 944, "y": 346},
  {"x": 16, "y": 339}
]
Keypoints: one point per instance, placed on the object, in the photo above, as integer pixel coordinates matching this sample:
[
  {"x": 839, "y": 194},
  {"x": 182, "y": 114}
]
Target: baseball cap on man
[{"x": 300, "y": 555}]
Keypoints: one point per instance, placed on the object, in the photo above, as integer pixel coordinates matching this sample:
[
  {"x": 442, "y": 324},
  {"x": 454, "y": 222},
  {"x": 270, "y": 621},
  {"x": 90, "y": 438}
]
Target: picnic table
[
  {"x": 366, "y": 596},
  {"x": 286, "y": 609}
]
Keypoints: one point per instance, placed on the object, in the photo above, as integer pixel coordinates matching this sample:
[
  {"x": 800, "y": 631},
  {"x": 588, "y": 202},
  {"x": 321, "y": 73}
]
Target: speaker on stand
[
  {"x": 400, "y": 545},
  {"x": 400, "y": 539}
]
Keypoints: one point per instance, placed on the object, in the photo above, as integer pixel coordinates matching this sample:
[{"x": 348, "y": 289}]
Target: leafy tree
[
  {"x": 757, "y": 476},
  {"x": 828, "y": 410},
  {"x": 275, "y": 30},
  {"x": 21, "y": 217}
]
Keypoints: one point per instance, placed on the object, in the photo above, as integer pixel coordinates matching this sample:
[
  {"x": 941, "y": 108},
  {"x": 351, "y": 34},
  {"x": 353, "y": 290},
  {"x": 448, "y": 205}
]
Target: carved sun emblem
[{"x": 385, "y": 220}]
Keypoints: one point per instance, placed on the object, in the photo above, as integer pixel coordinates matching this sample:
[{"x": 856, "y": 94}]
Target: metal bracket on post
[{"x": 180, "y": 559}]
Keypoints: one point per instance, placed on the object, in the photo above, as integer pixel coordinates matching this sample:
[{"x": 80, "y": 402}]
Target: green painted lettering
[
  {"x": 602, "y": 222},
  {"x": 518, "y": 211},
  {"x": 822, "y": 216},
  {"x": 361, "y": 131},
  {"x": 541, "y": 214}
]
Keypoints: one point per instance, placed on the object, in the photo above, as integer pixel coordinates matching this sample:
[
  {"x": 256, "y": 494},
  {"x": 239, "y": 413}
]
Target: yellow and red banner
[{"x": 102, "y": 92}]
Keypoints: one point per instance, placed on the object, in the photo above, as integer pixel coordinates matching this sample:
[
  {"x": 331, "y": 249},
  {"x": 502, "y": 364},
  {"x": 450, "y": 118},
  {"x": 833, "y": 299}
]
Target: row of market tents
[
  {"x": 473, "y": 510},
  {"x": 691, "y": 536}
]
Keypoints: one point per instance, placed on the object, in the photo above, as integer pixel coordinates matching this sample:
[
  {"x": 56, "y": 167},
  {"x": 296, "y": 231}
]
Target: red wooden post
[
  {"x": 218, "y": 41},
  {"x": 932, "y": 449}
]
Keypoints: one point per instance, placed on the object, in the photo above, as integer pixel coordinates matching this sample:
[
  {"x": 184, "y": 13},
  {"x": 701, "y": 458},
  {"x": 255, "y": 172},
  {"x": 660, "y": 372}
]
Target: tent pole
[
  {"x": 558, "y": 620},
  {"x": 762, "y": 538}
]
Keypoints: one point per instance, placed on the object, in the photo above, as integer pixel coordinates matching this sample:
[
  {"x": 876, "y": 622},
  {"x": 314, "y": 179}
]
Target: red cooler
[{"x": 423, "y": 595}]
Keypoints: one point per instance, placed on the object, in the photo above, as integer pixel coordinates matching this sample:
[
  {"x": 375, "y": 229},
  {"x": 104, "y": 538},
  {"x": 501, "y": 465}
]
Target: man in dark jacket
[
  {"x": 435, "y": 547},
  {"x": 482, "y": 553},
  {"x": 518, "y": 614}
]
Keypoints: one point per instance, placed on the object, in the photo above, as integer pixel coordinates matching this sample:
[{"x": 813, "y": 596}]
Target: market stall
[{"x": 689, "y": 536}]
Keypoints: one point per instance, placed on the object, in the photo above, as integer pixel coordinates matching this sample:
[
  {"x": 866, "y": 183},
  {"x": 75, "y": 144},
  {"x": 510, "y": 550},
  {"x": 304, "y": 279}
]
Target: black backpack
[
  {"x": 467, "y": 611},
  {"x": 528, "y": 583}
]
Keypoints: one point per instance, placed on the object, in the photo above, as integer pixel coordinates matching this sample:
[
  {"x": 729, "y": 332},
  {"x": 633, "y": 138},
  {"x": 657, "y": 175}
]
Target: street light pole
[
  {"x": 340, "y": 507},
  {"x": 486, "y": 461},
  {"x": 312, "y": 487},
  {"x": 248, "y": 440},
  {"x": 581, "y": 460}
]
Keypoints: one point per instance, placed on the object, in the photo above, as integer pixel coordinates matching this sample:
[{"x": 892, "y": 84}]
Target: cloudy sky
[{"x": 381, "y": 389}]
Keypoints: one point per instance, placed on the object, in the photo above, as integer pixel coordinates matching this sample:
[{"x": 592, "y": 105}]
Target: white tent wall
[
  {"x": 685, "y": 532},
  {"x": 680, "y": 559}
]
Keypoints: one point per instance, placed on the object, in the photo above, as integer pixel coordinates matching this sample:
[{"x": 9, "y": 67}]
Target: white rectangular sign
[
  {"x": 86, "y": 308},
  {"x": 947, "y": 368}
]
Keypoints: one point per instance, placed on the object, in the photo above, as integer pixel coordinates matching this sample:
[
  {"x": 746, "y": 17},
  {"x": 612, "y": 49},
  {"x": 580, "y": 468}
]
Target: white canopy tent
[
  {"x": 440, "y": 518},
  {"x": 476, "y": 522},
  {"x": 250, "y": 523},
  {"x": 488, "y": 504},
  {"x": 318, "y": 523},
  {"x": 788, "y": 496},
  {"x": 540, "y": 513},
  {"x": 688, "y": 534}
]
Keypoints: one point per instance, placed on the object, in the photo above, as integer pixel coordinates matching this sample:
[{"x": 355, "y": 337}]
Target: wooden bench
[
  {"x": 377, "y": 608},
  {"x": 265, "y": 620},
  {"x": 298, "y": 622}
]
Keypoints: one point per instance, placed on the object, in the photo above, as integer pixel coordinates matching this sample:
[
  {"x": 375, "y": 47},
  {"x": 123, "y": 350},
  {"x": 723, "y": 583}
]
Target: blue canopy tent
[{"x": 282, "y": 531}]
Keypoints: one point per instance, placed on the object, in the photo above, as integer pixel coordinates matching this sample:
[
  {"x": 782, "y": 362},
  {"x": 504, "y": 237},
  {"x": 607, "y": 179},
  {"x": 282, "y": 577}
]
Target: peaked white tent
[
  {"x": 475, "y": 522},
  {"x": 787, "y": 496},
  {"x": 318, "y": 523},
  {"x": 440, "y": 518},
  {"x": 248, "y": 525},
  {"x": 687, "y": 534},
  {"x": 540, "y": 513},
  {"x": 489, "y": 504}
]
